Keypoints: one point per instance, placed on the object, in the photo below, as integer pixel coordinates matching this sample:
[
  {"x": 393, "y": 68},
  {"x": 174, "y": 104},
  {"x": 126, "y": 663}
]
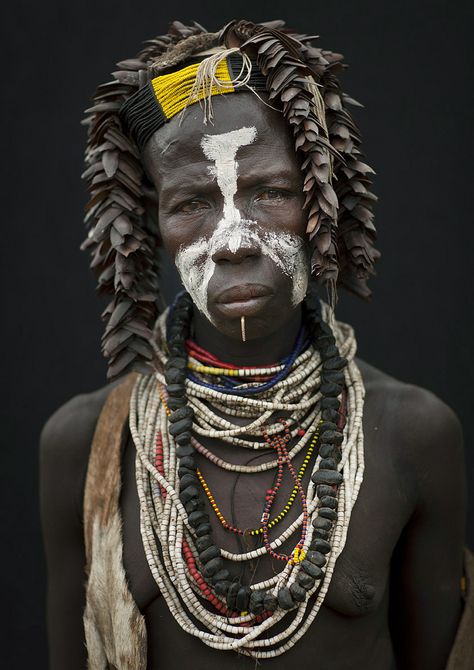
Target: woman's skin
[{"x": 394, "y": 600}]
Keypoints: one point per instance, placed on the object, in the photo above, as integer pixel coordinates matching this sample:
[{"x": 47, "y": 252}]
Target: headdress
[{"x": 301, "y": 80}]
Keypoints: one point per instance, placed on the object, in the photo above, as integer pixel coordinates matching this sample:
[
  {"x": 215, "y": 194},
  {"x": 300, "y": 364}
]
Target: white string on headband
[{"x": 207, "y": 80}]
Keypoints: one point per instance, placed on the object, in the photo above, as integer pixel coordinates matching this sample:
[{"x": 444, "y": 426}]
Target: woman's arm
[
  {"x": 427, "y": 564},
  {"x": 64, "y": 451}
]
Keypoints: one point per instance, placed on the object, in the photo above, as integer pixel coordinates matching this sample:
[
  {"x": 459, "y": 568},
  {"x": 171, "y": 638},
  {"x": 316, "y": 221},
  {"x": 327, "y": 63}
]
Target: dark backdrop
[{"x": 410, "y": 65}]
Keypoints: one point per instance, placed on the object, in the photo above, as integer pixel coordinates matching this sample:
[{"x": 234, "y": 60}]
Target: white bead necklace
[{"x": 164, "y": 521}]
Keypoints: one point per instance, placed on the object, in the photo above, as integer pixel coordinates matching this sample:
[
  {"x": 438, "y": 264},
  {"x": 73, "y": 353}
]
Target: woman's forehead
[{"x": 184, "y": 137}]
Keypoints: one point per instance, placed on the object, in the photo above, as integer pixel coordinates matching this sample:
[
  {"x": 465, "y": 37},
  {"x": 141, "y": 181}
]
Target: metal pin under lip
[{"x": 242, "y": 327}]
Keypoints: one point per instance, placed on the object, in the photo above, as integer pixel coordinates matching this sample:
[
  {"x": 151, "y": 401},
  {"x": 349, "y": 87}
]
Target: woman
[{"x": 256, "y": 491}]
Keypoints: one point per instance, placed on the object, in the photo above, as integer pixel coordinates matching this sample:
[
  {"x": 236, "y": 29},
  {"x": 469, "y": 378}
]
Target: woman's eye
[
  {"x": 271, "y": 194},
  {"x": 192, "y": 206}
]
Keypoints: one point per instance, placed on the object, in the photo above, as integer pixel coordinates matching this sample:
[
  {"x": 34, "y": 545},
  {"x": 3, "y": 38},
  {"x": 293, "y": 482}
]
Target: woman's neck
[{"x": 254, "y": 352}]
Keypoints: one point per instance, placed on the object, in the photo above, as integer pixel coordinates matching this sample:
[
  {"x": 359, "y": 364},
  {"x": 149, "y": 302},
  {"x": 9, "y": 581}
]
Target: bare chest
[{"x": 360, "y": 579}]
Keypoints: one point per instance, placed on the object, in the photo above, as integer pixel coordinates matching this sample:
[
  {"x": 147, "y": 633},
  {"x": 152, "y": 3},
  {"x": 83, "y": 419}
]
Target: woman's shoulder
[
  {"x": 402, "y": 399},
  {"x": 419, "y": 426},
  {"x": 65, "y": 443}
]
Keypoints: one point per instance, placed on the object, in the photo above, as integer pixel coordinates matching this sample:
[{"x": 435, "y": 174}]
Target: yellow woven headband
[{"x": 166, "y": 95}]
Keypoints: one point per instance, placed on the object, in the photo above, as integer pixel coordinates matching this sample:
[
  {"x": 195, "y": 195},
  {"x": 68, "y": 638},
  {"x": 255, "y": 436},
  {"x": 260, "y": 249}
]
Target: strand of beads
[
  {"x": 280, "y": 516},
  {"x": 166, "y": 521},
  {"x": 279, "y": 445},
  {"x": 250, "y": 389}
]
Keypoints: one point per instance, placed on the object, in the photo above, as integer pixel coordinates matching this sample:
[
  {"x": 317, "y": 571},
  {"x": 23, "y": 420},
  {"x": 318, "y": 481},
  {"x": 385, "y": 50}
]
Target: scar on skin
[{"x": 167, "y": 146}]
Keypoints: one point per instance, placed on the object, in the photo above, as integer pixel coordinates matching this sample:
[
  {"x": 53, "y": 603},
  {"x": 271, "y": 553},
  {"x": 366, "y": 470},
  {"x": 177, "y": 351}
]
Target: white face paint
[{"x": 194, "y": 262}]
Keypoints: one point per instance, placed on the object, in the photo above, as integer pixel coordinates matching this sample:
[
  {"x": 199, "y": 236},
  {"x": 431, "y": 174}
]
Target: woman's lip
[
  {"x": 238, "y": 308},
  {"x": 242, "y": 294}
]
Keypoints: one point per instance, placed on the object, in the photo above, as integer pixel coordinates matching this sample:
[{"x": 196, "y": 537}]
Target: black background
[{"x": 410, "y": 64}]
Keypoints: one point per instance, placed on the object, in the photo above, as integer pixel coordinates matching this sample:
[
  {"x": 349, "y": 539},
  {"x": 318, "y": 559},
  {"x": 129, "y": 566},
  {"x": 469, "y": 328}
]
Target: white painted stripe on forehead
[{"x": 222, "y": 149}]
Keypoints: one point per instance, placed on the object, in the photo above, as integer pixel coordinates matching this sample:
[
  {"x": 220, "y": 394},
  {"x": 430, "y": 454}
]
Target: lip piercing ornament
[{"x": 242, "y": 327}]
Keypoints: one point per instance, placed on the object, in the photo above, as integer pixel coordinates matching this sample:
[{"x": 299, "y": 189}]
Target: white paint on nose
[{"x": 222, "y": 150}]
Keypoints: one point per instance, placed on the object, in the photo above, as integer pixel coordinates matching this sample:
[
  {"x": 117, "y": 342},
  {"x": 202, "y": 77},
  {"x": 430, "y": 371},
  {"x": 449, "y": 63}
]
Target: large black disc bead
[
  {"x": 256, "y": 602},
  {"x": 329, "y": 352},
  {"x": 335, "y": 363},
  {"x": 326, "y": 450},
  {"x": 183, "y": 450},
  {"x": 330, "y": 390},
  {"x": 328, "y": 464},
  {"x": 329, "y": 501},
  {"x": 176, "y": 403},
  {"x": 316, "y": 557},
  {"x": 242, "y": 599},
  {"x": 175, "y": 390},
  {"x": 188, "y": 462},
  {"x": 183, "y": 472},
  {"x": 193, "y": 505},
  {"x": 182, "y": 413},
  {"x": 270, "y": 603},
  {"x": 324, "y": 426},
  {"x": 305, "y": 580},
  {"x": 203, "y": 529},
  {"x": 325, "y": 328},
  {"x": 322, "y": 524},
  {"x": 209, "y": 553},
  {"x": 203, "y": 543},
  {"x": 213, "y": 566},
  {"x": 178, "y": 362},
  {"x": 175, "y": 376},
  {"x": 298, "y": 593},
  {"x": 333, "y": 376},
  {"x": 188, "y": 479},
  {"x": 183, "y": 439},
  {"x": 221, "y": 588},
  {"x": 232, "y": 595},
  {"x": 285, "y": 599},
  {"x": 311, "y": 569},
  {"x": 325, "y": 341},
  {"x": 330, "y": 403},
  {"x": 327, "y": 513},
  {"x": 180, "y": 426},
  {"x": 221, "y": 576},
  {"x": 332, "y": 436},
  {"x": 196, "y": 518},
  {"x": 175, "y": 348},
  {"x": 330, "y": 414},
  {"x": 320, "y": 545},
  {"x": 327, "y": 477},
  {"x": 325, "y": 490},
  {"x": 188, "y": 493}
]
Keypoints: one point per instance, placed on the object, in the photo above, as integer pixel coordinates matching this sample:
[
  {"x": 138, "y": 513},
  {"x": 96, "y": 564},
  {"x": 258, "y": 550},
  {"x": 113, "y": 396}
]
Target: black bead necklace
[{"x": 327, "y": 478}]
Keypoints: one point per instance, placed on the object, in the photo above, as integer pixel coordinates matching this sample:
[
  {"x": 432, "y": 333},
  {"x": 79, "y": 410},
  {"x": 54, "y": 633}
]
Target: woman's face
[{"x": 231, "y": 212}]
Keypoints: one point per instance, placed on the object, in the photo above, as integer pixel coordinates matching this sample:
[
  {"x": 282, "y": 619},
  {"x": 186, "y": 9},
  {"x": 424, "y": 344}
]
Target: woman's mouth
[{"x": 243, "y": 300}]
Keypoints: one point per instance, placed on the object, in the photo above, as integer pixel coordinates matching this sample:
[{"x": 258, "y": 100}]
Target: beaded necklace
[
  {"x": 279, "y": 517},
  {"x": 177, "y": 536}
]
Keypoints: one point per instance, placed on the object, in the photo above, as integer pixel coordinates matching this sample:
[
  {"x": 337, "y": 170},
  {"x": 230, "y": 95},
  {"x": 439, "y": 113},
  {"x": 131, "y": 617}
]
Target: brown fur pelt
[
  {"x": 114, "y": 628},
  {"x": 122, "y": 235}
]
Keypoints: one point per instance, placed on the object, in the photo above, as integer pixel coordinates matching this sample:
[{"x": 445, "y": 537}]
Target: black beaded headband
[{"x": 163, "y": 97}]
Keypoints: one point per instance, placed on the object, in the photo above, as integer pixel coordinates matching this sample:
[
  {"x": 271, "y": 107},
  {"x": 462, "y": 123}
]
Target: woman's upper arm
[
  {"x": 427, "y": 563},
  {"x": 64, "y": 450}
]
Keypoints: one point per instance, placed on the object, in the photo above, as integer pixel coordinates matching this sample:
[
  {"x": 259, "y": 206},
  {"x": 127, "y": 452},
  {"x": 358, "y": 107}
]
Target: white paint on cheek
[{"x": 288, "y": 251}]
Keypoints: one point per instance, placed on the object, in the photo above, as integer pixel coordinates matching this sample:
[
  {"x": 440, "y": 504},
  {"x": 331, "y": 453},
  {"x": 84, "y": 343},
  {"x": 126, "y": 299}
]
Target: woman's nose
[{"x": 235, "y": 251}]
